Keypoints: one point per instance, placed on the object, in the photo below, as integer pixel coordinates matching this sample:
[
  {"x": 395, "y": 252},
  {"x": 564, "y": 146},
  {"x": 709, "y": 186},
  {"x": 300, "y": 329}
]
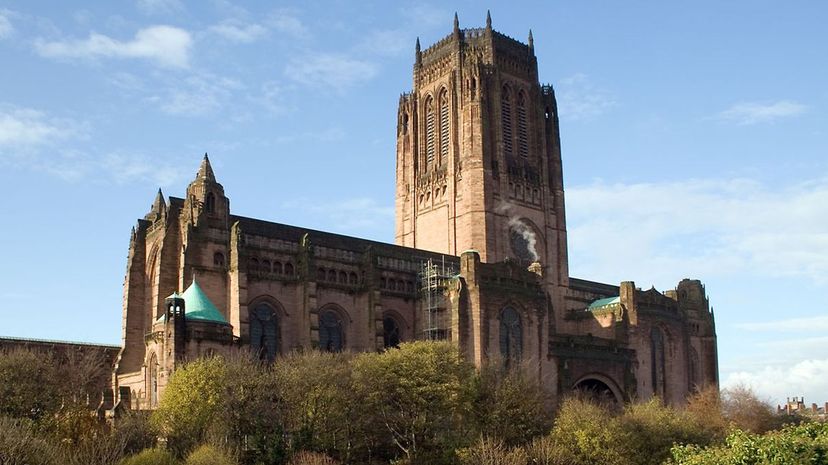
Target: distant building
[
  {"x": 481, "y": 257},
  {"x": 796, "y": 406}
]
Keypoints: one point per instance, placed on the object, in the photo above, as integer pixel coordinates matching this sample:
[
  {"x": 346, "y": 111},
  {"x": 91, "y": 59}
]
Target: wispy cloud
[
  {"x": 6, "y": 27},
  {"x": 239, "y": 31},
  {"x": 387, "y": 42},
  {"x": 197, "y": 95},
  {"x": 748, "y": 113},
  {"x": 776, "y": 382},
  {"x": 580, "y": 99},
  {"x": 699, "y": 228},
  {"x": 22, "y": 129},
  {"x": 165, "y": 45},
  {"x": 286, "y": 22},
  {"x": 153, "y": 7},
  {"x": 812, "y": 324},
  {"x": 358, "y": 214},
  {"x": 334, "y": 71}
]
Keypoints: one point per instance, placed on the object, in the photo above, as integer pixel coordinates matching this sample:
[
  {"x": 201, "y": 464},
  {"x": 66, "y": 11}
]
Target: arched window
[
  {"x": 277, "y": 267},
  {"x": 265, "y": 266},
  {"x": 332, "y": 276},
  {"x": 695, "y": 369},
  {"x": 289, "y": 269},
  {"x": 343, "y": 277},
  {"x": 404, "y": 123},
  {"x": 320, "y": 274},
  {"x": 444, "y": 127},
  {"x": 253, "y": 265},
  {"x": 511, "y": 335},
  {"x": 658, "y": 361},
  {"x": 429, "y": 111},
  {"x": 330, "y": 332},
  {"x": 152, "y": 371},
  {"x": 390, "y": 332},
  {"x": 218, "y": 259},
  {"x": 522, "y": 123},
  {"x": 264, "y": 332},
  {"x": 506, "y": 120},
  {"x": 353, "y": 279},
  {"x": 210, "y": 202}
]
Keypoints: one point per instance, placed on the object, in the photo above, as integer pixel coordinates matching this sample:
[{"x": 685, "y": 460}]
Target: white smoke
[{"x": 519, "y": 226}]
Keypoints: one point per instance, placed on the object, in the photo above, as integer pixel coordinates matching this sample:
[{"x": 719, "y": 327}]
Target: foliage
[
  {"x": 29, "y": 384},
  {"x": 151, "y": 457},
  {"x": 491, "y": 452},
  {"x": 422, "y": 395},
  {"x": 209, "y": 455},
  {"x": 21, "y": 444},
  {"x": 804, "y": 443},
  {"x": 312, "y": 458},
  {"x": 587, "y": 433},
  {"x": 511, "y": 407},
  {"x": 191, "y": 402},
  {"x": 743, "y": 409}
]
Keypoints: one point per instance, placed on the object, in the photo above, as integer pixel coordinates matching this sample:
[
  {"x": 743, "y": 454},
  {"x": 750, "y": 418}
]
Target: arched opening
[
  {"x": 658, "y": 362},
  {"x": 264, "y": 332},
  {"x": 511, "y": 335},
  {"x": 429, "y": 132},
  {"x": 694, "y": 381},
  {"x": 506, "y": 120},
  {"x": 599, "y": 389},
  {"x": 522, "y": 126},
  {"x": 218, "y": 259},
  {"x": 210, "y": 202},
  {"x": 289, "y": 269},
  {"x": 391, "y": 334},
  {"x": 331, "y": 337},
  {"x": 264, "y": 267},
  {"x": 444, "y": 127},
  {"x": 253, "y": 265},
  {"x": 152, "y": 388}
]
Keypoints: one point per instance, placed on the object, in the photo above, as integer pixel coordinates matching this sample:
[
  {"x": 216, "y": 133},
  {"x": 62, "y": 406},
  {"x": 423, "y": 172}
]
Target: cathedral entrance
[{"x": 599, "y": 389}]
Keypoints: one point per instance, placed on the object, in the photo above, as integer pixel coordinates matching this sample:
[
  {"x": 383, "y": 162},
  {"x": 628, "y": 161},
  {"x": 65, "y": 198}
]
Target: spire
[
  {"x": 417, "y": 53},
  {"x": 531, "y": 42},
  {"x": 159, "y": 205},
  {"x": 456, "y": 23},
  {"x": 205, "y": 171},
  {"x": 488, "y": 20}
]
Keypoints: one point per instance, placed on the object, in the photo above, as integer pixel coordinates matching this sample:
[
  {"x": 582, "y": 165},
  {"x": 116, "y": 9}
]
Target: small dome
[{"x": 198, "y": 307}]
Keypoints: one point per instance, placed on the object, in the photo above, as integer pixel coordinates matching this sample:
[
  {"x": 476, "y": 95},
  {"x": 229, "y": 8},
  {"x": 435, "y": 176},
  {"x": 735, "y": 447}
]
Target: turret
[{"x": 205, "y": 198}]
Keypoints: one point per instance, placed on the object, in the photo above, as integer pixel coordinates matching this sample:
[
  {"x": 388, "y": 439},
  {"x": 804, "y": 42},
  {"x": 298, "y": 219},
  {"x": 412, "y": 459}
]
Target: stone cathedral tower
[{"x": 478, "y": 154}]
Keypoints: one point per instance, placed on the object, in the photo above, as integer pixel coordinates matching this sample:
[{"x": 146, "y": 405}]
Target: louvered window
[
  {"x": 429, "y": 132},
  {"x": 506, "y": 121},
  {"x": 444, "y": 128},
  {"x": 658, "y": 362},
  {"x": 264, "y": 332},
  {"x": 523, "y": 138}
]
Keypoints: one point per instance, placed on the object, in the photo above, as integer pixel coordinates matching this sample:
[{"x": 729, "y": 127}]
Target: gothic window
[
  {"x": 289, "y": 269},
  {"x": 320, "y": 274},
  {"x": 353, "y": 279},
  {"x": 404, "y": 123},
  {"x": 511, "y": 335},
  {"x": 210, "y": 202},
  {"x": 658, "y": 359},
  {"x": 277, "y": 267},
  {"x": 264, "y": 332},
  {"x": 152, "y": 370},
  {"x": 523, "y": 137},
  {"x": 429, "y": 131},
  {"x": 390, "y": 332},
  {"x": 330, "y": 332},
  {"x": 343, "y": 277},
  {"x": 444, "y": 127},
  {"x": 383, "y": 283},
  {"x": 265, "y": 266},
  {"x": 332, "y": 276},
  {"x": 694, "y": 370},
  {"x": 253, "y": 265},
  {"x": 506, "y": 120},
  {"x": 218, "y": 259}
]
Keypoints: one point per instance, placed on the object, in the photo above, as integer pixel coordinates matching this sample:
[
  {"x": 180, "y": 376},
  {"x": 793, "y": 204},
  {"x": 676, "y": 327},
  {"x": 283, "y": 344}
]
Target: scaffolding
[{"x": 433, "y": 282}]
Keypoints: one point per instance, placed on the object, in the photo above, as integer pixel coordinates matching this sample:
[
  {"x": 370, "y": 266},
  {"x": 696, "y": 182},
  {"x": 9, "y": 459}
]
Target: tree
[
  {"x": 422, "y": 395},
  {"x": 29, "y": 385}
]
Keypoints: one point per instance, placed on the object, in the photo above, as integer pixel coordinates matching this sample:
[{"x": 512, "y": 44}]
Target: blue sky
[{"x": 694, "y": 142}]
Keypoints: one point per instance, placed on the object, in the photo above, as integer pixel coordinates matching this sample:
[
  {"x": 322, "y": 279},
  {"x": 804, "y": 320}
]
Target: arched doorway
[{"x": 600, "y": 389}]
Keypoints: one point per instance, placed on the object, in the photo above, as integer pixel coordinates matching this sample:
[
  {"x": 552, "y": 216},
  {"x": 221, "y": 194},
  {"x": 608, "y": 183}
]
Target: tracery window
[
  {"x": 511, "y": 335},
  {"x": 210, "y": 202},
  {"x": 390, "y": 332},
  {"x": 289, "y": 269},
  {"x": 444, "y": 127},
  {"x": 218, "y": 259},
  {"x": 330, "y": 332},
  {"x": 506, "y": 120},
  {"x": 264, "y": 332},
  {"x": 658, "y": 361}
]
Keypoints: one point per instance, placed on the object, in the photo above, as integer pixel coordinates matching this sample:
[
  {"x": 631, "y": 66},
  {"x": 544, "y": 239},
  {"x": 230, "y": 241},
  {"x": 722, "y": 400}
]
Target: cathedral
[{"x": 480, "y": 258}]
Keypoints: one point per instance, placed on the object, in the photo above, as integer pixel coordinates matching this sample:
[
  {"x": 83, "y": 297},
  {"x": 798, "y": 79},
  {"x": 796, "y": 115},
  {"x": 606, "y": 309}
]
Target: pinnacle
[
  {"x": 488, "y": 19},
  {"x": 205, "y": 171}
]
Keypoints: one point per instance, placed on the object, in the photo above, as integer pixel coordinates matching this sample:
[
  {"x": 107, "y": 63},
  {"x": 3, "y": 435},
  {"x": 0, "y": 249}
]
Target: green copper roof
[
  {"x": 603, "y": 303},
  {"x": 198, "y": 307}
]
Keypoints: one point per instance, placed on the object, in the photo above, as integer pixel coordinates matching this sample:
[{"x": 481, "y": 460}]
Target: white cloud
[
  {"x": 6, "y": 27},
  {"x": 152, "y": 7},
  {"x": 747, "y": 113},
  {"x": 22, "y": 129},
  {"x": 166, "y": 45},
  {"x": 238, "y": 31},
  {"x": 813, "y": 324},
  {"x": 807, "y": 378},
  {"x": 335, "y": 71},
  {"x": 287, "y": 23},
  {"x": 390, "y": 42},
  {"x": 699, "y": 228},
  {"x": 197, "y": 95},
  {"x": 579, "y": 99}
]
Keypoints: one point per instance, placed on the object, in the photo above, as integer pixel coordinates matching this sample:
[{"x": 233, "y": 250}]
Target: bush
[
  {"x": 312, "y": 458},
  {"x": 586, "y": 433},
  {"x": 745, "y": 410},
  {"x": 21, "y": 445},
  {"x": 151, "y": 457},
  {"x": 490, "y": 452},
  {"x": 209, "y": 455},
  {"x": 29, "y": 385}
]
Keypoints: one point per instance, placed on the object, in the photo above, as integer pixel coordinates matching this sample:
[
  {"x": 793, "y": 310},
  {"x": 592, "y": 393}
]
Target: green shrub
[
  {"x": 21, "y": 445},
  {"x": 151, "y": 457},
  {"x": 209, "y": 455},
  {"x": 312, "y": 458}
]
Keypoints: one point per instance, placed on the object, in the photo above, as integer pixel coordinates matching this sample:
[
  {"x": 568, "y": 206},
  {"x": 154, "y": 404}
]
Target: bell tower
[{"x": 478, "y": 154}]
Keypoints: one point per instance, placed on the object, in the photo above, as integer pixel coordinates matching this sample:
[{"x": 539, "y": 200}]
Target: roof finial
[
  {"x": 417, "y": 53},
  {"x": 531, "y": 42},
  {"x": 488, "y": 19},
  {"x": 159, "y": 205}
]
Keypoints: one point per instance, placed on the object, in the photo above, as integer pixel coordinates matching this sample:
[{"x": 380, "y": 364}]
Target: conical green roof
[{"x": 198, "y": 307}]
